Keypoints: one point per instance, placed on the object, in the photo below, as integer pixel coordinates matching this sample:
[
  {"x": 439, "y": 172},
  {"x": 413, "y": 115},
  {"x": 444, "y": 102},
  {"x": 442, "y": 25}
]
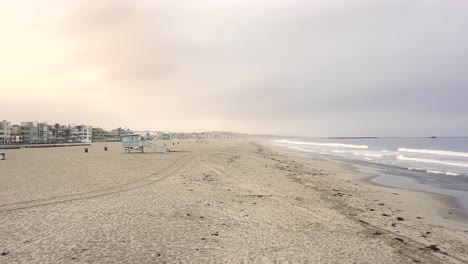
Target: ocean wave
[
  {"x": 435, "y": 152},
  {"x": 338, "y": 151},
  {"x": 301, "y": 149},
  {"x": 417, "y": 169},
  {"x": 443, "y": 172},
  {"x": 368, "y": 155},
  {"x": 338, "y": 145},
  {"x": 434, "y": 171},
  {"x": 448, "y": 163}
]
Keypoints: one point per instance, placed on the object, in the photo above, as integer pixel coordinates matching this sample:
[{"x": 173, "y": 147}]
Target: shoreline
[
  {"x": 430, "y": 209},
  {"x": 450, "y": 202},
  {"x": 368, "y": 177}
]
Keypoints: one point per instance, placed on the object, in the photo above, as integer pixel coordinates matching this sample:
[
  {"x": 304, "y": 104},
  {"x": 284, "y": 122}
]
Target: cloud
[{"x": 298, "y": 67}]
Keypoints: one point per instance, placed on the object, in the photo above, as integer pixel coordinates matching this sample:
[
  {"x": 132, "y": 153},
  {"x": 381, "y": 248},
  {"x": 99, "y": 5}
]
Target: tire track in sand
[{"x": 165, "y": 172}]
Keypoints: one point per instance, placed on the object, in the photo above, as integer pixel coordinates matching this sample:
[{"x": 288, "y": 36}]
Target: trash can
[
  {"x": 86, "y": 150},
  {"x": 2, "y": 156}
]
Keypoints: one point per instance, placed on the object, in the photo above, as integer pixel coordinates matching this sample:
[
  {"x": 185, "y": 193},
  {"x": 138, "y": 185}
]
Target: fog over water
[{"x": 314, "y": 68}]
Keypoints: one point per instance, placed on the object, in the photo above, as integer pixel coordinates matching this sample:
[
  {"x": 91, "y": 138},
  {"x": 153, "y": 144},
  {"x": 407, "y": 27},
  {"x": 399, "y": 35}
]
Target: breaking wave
[
  {"x": 435, "y": 152},
  {"x": 448, "y": 163},
  {"x": 435, "y": 171},
  {"x": 442, "y": 172},
  {"x": 368, "y": 155},
  {"x": 301, "y": 149},
  {"x": 337, "y": 145}
]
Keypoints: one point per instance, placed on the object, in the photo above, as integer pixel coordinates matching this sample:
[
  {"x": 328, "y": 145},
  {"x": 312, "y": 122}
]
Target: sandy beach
[{"x": 230, "y": 201}]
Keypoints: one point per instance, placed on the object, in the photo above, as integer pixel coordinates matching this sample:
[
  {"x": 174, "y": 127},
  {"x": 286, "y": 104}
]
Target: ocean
[{"x": 437, "y": 165}]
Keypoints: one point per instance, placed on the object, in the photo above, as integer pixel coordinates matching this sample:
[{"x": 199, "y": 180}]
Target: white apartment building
[
  {"x": 5, "y": 132},
  {"x": 82, "y": 133}
]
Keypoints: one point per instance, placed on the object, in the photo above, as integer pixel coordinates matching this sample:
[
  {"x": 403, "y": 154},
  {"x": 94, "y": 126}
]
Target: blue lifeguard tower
[{"x": 132, "y": 142}]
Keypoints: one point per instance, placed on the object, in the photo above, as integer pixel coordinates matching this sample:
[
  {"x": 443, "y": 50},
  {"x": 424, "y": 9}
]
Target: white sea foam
[
  {"x": 337, "y": 145},
  {"x": 303, "y": 150},
  {"x": 368, "y": 155},
  {"x": 442, "y": 172},
  {"x": 435, "y": 152},
  {"x": 464, "y": 165},
  {"x": 434, "y": 171},
  {"x": 338, "y": 151}
]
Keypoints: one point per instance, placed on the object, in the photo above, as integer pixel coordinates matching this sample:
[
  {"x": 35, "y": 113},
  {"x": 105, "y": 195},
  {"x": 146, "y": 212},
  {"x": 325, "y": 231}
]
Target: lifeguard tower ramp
[
  {"x": 133, "y": 143},
  {"x": 155, "y": 147}
]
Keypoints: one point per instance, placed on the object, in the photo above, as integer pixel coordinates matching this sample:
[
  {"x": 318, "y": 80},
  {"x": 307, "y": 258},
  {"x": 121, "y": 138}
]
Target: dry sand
[{"x": 233, "y": 201}]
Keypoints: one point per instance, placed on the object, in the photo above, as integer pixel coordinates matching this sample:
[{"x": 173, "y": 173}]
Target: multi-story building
[
  {"x": 78, "y": 133},
  {"x": 29, "y": 132},
  {"x": 16, "y": 136},
  {"x": 5, "y": 132},
  {"x": 42, "y": 132},
  {"x": 72, "y": 133},
  {"x": 116, "y": 134},
  {"x": 85, "y": 133},
  {"x": 57, "y": 133},
  {"x": 51, "y": 134},
  {"x": 99, "y": 134}
]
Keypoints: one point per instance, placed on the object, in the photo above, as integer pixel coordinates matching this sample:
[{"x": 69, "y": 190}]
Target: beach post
[
  {"x": 86, "y": 150},
  {"x": 2, "y": 156},
  {"x": 105, "y": 148}
]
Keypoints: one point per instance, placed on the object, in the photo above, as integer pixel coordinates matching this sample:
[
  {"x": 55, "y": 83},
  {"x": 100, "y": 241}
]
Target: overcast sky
[{"x": 317, "y": 68}]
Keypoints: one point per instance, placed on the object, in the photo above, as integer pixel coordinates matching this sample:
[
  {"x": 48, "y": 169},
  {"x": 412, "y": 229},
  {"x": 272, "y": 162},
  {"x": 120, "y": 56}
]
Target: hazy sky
[{"x": 319, "y": 68}]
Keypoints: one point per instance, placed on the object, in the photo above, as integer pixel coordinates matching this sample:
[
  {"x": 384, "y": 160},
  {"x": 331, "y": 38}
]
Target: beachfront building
[
  {"x": 116, "y": 134},
  {"x": 167, "y": 136},
  {"x": 146, "y": 135},
  {"x": 29, "y": 132},
  {"x": 158, "y": 135},
  {"x": 5, "y": 132},
  {"x": 16, "y": 136},
  {"x": 85, "y": 133},
  {"x": 63, "y": 134},
  {"x": 78, "y": 133},
  {"x": 42, "y": 133},
  {"x": 58, "y": 133},
  {"x": 99, "y": 135}
]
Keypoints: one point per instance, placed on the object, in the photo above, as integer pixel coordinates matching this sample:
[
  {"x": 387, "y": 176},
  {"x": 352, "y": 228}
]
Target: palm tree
[{"x": 67, "y": 134}]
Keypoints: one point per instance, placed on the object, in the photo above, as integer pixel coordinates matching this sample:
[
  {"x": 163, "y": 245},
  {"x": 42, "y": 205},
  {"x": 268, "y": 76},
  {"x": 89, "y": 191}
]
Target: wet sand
[{"x": 237, "y": 201}]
